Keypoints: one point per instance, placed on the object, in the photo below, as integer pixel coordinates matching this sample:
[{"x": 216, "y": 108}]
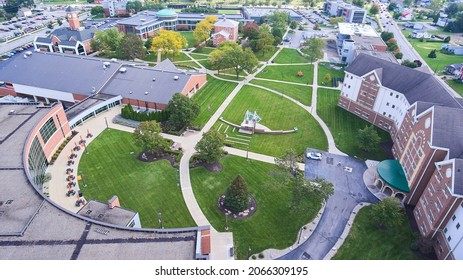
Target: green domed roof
[{"x": 166, "y": 13}]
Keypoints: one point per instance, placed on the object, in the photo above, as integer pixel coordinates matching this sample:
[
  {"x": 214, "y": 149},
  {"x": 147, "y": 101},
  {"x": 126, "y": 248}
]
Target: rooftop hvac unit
[
  {"x": 107, "y": 63},
  {"x": 114, "y": 59},
  {"x": 175, "y": 77},
  {"x": 146, "y": 93},
  {"x": 154, "y": 79},
  {"x": 122, "y": 70}
]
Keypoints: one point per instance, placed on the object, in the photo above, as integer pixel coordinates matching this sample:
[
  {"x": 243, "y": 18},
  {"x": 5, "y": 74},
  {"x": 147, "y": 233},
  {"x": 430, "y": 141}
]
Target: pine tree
[{"x": 237, "y": 195}]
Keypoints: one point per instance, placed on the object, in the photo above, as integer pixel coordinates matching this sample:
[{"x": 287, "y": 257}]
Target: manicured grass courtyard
[
  {"x": 205, "y": 50},
  {"x": 212, "y": 94},
  {"x": 299, "y": 92},
  {"x": 266, "y": 55},
  {"x": 288, "y": 56},
  {"x": 153, "y": 57},
  {"x": 345, "y": 125},
  {"x": 199, "y": 56},
  {"x": 327, "y": 68},
  {"x": 273, "y": 225},
  {"x": 111, "y": 168},
  {"x": 288, "y": 73},
  {"x": 277, "y": 113},
  {"x": 189, "y": 38},
  {"x": 366, "y": 241},
  {"x": 456, "y": 85},
  {"x": 187, "y": 63}
]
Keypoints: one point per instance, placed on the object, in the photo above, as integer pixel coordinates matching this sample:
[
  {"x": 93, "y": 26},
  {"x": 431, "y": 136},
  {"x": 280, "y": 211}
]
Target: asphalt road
[{"x": 349, "y": 190}]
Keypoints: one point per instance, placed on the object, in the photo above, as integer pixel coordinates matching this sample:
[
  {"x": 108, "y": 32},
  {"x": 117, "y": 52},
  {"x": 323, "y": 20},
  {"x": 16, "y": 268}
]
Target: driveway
[{"x": 349, "y": 190}]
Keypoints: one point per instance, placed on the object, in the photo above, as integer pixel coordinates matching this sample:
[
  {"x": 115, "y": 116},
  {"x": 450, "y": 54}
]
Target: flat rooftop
[
  {"x": 33, "y": 227},
  {"x": 366, "y": 42},
  {"x": 346, "y": 28},
  {"x": 260, "y": 12},
  {"x": 85, "y": 104},
  {"x": 100, "y": 211}
]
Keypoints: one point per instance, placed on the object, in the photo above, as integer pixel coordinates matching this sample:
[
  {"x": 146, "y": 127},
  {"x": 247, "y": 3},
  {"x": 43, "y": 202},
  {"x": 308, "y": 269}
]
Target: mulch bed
[
  {"x": 215, "y": 167},
  {"x": 252, "y": 208},
  {"x": 149, "y": 157}
]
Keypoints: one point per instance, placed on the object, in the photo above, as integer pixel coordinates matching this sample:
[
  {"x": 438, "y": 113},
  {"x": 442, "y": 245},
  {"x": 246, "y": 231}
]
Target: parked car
[{"x": 315, "y": 156}]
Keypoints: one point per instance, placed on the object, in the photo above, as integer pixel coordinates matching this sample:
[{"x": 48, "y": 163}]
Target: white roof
[
  {"x": 346, "y": 28},
  {"x": 226, "y": 23}
]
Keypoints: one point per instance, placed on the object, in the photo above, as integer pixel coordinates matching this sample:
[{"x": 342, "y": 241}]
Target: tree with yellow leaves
[
  {"x": 168, "y": 42},
  {"x": 203, "y": 29}
]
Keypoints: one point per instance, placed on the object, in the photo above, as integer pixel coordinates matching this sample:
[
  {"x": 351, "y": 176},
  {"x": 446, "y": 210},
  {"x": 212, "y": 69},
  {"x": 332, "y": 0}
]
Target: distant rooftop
[
  {"x": 255, "y": 12},
  {"x": 100, "y": 211},
  {"x": 346, "y": 28}
]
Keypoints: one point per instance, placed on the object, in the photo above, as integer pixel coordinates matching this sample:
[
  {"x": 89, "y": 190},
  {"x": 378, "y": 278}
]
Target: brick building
[
  {"x": 425, "y": 122},
  {"x": 225, "y": 30},
  {"x": 74, "y": 39}
]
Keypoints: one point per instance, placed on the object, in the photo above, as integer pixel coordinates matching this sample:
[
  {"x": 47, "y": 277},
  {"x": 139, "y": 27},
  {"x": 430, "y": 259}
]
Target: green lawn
[
  {"x": 154, "y": 57},
  {"x": 288, "y": 73},
  {"x": 189, "y": 38},
  {"x": 205, "y": 63},
  {"x": 213, "y": 93},
  {"x": 273, "y": 225},
  {"x": 199, "y": 56},
  {"x": 324, "y": 68},
  {"x": 111, "y": 168},
  {"x": 228, "y": 12},
  {"x": 265, "y": 56},
  {"x": 345, "y": 125},
  {"x": 206, "y": 50},
  {"x": 286, "y": 56},
  {"x": 187, "y": 63},
  {"x": 299, "y": 92},
  {"x": 231, "y": 77},
  {"x": 277, "y": 113},
  {"x": 424, "y": 48},
  {"x": 456, "y": 85},
  {"x": 366, "y": 241}
]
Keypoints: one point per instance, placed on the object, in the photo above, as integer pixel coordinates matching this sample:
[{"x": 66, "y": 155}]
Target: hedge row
[{"x": 128, "y": 113}]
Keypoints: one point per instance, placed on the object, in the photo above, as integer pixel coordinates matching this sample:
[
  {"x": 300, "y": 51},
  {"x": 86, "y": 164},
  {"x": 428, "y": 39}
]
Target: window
[
  {"x": 454, "y": 217},
  {"x": 387, "y": 104},
  {"x": 449, "y": 238},
  {"x": 445, "y": 230},
  {"x": 389, "y": 116},
  {"x": 348, "y": 86},
  {"x": 397, "y": 96},
  {"x": 458, "y": 226},
  {"x": 351, "y": 77},
  {"x": 47, "y": 130},
  {"x": 391, "y": 94},
  {"x": 393, "y": 106}
]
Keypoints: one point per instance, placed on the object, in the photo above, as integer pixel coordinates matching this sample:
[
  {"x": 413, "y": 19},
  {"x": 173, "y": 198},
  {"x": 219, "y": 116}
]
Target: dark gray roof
[
  {"x": 166, "y": 65},
  {"x": 448, "y": 130},
  {"x": 423, "y": 106},
  {"x": 43, "y": 40},
  {"x": 415, "y": 85},
  {"x": 69, "y": 43},
  {"x": 68, "y": 73},
  {"x": 140, "y": 80},
  {"x": 65, "y": 34},
  {"x": 70, "y": 9},
  {"x": 458, "y": 177}
]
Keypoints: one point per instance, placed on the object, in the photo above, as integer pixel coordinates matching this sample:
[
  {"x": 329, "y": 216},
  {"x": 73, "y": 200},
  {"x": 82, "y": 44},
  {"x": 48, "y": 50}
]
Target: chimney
[{"x": 114, "y": 202}]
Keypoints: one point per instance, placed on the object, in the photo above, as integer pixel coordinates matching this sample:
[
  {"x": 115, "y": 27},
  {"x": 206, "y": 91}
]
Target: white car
[{"x": 313, "y": 155}]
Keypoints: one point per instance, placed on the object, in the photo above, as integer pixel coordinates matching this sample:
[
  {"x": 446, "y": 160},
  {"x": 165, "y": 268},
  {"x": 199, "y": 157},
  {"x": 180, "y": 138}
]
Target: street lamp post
[
  {"x": 83, "y": 180},
  {"x": 160, "y": 219},
  {"x": 226, "y": 221},
  {"x": 106, "y": 121},
  {"x": 249, "y": 251},
  {"x": 85, "y": 147}
]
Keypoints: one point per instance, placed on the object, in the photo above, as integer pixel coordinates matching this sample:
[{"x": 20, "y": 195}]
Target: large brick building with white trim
[{"x": 425, "y": 122}]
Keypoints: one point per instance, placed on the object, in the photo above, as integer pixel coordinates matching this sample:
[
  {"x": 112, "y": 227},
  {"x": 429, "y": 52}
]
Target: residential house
[
  {"x": 454, "y": 69},
  {"x": 418, "y": 34},
  {"x": 452, "y": 49},
  {"x": 225, "y": 30},
  {"x": 406, "y": 16}
]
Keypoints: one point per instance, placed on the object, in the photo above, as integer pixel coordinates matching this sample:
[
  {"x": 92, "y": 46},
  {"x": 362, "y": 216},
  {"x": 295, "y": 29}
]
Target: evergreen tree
[{"x": 237, "y": 195}]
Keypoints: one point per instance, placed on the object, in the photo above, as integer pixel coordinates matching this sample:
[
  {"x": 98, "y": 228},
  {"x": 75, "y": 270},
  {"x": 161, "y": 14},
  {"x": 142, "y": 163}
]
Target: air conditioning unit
[
  {"x": 122, "y": 70},
  {"x": 107, "y": 63},
  {"x": 175, "y": 77}
]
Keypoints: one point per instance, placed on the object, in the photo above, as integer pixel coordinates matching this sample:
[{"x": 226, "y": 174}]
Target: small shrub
[
  {"x": 253, "y": 257},
  {"x": 261, "y": 256},
  {"x": 300, "y": 74}
]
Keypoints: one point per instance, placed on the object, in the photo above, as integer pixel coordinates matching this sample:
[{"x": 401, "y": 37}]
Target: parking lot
[{"x": 346, "y": 174}]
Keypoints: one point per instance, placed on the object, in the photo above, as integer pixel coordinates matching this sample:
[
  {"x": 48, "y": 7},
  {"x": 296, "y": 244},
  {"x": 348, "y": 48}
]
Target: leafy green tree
[
  {"x": 392, "y": 6},
  {"x": 209, "y": 148},
  {"x": 237, "y": 195},
  {"x": 313, "y": 48},
  {"x": 148, "y": 43},
  {"x": 182, "y": 110},
  {"x": 398, "y": 55},
  {"x": 233, "y": 56},
  {"x": 452, "y": 9},
  {"x": 251, "y": 30},
  {"x": 447, "y": 39},
  {"x": 336, "y": 20},
  {"x": 293, "y": 24},
  {"x": 279, "y": 20},
  {"x": 432, "y": 54},
  {"x": 392, "y": 46},
  {"x": 368, "y": 139},
  {"x": 265, "y": 40},
  {"x": 148, "y": 136},
  {"x": 131, "y": 47},
  {"x": 50, "y": 25},
  {"x": 107, "y": 41},
  {"x": 410, "y": 64},
  {"x": 321, "y": 187},
  {"x": 386, "y": 36},
  {"x": 374, "y": 9},
  {"x": 407, "y": 3},
  {"x": 134, "y": 6},
  {"x": 97, "y": 10},
  {"x": 59, "y": 21},
  {"x": 327, "y": 78},
  {"x": 387, "y": 213},
  {"x": 358, "y": 3},
  {"x": 203, "y": 29},
  {"x": 436, "y": 5}
]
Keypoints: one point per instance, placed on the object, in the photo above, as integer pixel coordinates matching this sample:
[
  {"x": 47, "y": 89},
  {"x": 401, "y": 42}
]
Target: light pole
[
  {"x": 249, "y": 251},
  {"x": 106, "y": 121},
  {"x": 83, "y": 180},
  {"x": 85, "y": 147},
  {"x": 160, "y": 219},
  {"x": 226, "y": 221}
]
